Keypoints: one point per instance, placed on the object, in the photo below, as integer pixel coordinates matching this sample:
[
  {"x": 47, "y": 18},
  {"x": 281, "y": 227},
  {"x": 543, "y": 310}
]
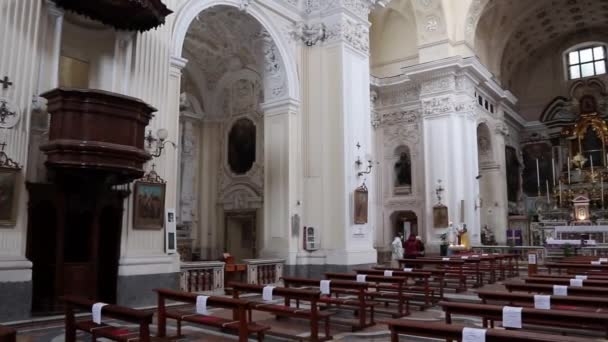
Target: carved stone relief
[{"x": 352, "y": 32}]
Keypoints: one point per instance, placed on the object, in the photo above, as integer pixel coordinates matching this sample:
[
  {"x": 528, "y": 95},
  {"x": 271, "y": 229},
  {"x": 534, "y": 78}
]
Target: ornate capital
[
  {"x": 354, "y": 33},
  {"x": 309, "y": 34},
  {"x": 360, "y": 8}
]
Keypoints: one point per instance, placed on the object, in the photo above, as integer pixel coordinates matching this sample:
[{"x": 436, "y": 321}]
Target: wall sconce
[
  {"x": 160, "y": 140},
  {"x": 438, "y": 190},
  {"x": 368, "y": 170}
]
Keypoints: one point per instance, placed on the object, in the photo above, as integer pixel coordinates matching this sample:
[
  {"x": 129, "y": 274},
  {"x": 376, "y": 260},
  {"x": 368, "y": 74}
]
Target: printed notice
[
  {"x": 267, "y": 293},
  {"x": 361, "y": 278},
  {"x": 201, "y": 305},
  {"x": 542, "y": 302},
  {"x": 560, "y": 290},
  {"x": 511, "y": 317},
  {"x": 324, "y": 287},
  {"x": 576, "y": 282},
  {"x": 96, "y": 312},
  {"x": 388, "y": 273},
  {"x": 473, "y": 335},
  {"x": 532, "y": 259}
]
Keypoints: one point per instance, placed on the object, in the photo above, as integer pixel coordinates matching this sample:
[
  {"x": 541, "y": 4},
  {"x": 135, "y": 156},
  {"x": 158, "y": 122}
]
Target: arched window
[{"x": 586, "y": 60}]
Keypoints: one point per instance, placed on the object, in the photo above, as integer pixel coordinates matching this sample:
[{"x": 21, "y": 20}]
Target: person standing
[
  {"x": 412, "y": 247},
  {"x": 397, "y": 251}
]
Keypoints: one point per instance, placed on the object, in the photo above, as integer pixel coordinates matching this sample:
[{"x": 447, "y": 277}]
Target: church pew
[
  {"x": 114, "y": 333},
  {"x": 474, "y": 265},
  {"x": 561, "y": 281},
  {"x": 451, "y": 269},
  {"x": 564, "y": 318},
  {"x": 397, "y": 296},
  {"x": 574, "y": 267},
  {"x": 590, "y": 276},
  {"x": 421, "y": 283},
  {"x": 312, "y": 297},
  {"x": 557, "y": 302},
  {"x": 453, "y": 332},
  {"x": 239, "y": 322},
  {"x": 584, "y": 291},
  {"x": 356, "y": 301},
  {"x": 7, "y": 334},
  {"x": 436, "y": 280}
]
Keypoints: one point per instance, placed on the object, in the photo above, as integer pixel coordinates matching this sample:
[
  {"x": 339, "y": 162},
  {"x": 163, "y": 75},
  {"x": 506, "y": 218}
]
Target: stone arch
[
  {"x": 399, "y": 223},
  {"x": 193, "y": 8}
]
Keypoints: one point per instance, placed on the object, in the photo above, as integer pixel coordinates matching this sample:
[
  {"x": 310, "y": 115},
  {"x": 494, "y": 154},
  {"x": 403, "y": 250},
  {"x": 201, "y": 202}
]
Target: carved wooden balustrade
[
  {"x": 202, "y": 276},
  {"x": 264, "y": 271}
]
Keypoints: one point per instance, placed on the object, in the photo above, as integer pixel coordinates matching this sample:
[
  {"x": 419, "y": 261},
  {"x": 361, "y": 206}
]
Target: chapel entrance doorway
[
  {"x": 241, "y": 237},
  {"x": 404, "y": 222},
  {"x": 73, "y": 243}
]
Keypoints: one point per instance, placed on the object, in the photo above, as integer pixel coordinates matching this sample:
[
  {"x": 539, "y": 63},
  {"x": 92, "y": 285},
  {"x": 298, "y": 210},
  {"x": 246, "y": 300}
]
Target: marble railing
[
  {"x": 264, "y": 271},
  {"x": 202, "y": 276}
]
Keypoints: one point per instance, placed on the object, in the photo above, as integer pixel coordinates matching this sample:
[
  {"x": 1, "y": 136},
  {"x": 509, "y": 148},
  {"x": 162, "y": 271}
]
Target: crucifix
[
  {"x": 2, "y": 146},
  {"x": 5, "y": 82},
  {"x": 4, "y": 111}
]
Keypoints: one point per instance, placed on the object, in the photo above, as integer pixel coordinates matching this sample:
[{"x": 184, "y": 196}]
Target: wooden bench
[
  {"x": 451, "y": 332},
  {"x": 584, "y": 291},
  {"x": 312, "y": 297},
  {"x": 557, "y": 302},
  {"x": 562, "y": 281},
  {"x": 562, "y": 318},
  {"x": 590, "y": 276},
  {"x": 451, "y": 270},
  {"x": 114, "y": 333},
  {"x": 7, "y": 334},
  {"x": 474, "y": 264},
  {"x": 421, "y": 283},
  {"x": 239, "y": 322},
  {"x": 575, "y": 267},
  {"x": 396, "y": 295},
  {"x": 358, "y": 302}
]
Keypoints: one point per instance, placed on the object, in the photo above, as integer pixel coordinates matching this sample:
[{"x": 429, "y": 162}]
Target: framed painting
[
  {"x": 148, "y": 205},
  {"x": 361, "y": 205},
  {"x": 9, "y": 193},
  {"x": 440, "y": 216}
]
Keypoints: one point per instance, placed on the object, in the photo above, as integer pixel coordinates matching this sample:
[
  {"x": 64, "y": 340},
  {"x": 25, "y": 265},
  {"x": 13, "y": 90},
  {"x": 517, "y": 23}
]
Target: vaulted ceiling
[
  {"x": 516, "y": 30},
  {"x": 221, "y": 39}
]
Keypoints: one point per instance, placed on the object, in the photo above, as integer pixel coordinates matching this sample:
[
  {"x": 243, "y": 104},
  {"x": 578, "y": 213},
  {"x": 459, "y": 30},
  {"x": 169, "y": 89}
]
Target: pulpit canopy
[{"x": 131, "y": 15}]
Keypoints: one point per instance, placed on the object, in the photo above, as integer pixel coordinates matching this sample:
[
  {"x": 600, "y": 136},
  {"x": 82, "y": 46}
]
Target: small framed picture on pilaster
[{"x": 361, "y": 205}]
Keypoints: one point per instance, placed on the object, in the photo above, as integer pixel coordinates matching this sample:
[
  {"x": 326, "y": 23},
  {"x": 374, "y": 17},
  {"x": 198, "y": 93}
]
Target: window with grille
[{"x": 587, "y": 61}]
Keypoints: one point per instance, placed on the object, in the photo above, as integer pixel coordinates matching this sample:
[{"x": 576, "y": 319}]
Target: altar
[{"x": 598, "y": 234}]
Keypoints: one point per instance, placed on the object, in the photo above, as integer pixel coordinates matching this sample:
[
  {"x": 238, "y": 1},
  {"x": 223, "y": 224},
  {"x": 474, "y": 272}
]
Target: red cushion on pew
[{"x": 117, "y": 332}]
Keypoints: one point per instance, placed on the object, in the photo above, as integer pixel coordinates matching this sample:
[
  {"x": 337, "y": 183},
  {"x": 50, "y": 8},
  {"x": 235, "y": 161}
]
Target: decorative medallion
[{"x": 9, "y": 113}]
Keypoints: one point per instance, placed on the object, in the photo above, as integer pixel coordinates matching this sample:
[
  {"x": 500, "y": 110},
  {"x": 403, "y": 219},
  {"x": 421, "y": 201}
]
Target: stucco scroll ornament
[{"x": 309, "y": 34}]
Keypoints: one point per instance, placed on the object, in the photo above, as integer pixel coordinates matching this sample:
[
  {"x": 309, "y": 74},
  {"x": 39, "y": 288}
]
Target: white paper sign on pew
[
  {"x": 603, "y": 260},
  {"x": 407, "y": 269},
  {"x": 542, "y": 302},
  {"x": 596, "y": 263},
  {"x": 445, "y": 259},
  {"x": 560, "y": 290},
  {"x": 388, "y": 273},
  {"x": 361, "y": 278},
  {"x": 201, "y": 305},
  {"x": 324, "y": 287},
  {"x": 267, "y": 293},
  {"x": 532, "y": 259},
  {"x": 511, "y": 317},
  {"x": 576, "y": 282},
  {"x": 473, "y": 335},
  {"x": 583, "y": 277},
  {"x": 96, "y": 312}
]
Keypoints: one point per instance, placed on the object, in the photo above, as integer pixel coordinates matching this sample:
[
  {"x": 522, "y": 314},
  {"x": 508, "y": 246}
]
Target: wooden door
[{"x": 241, "y": 235}]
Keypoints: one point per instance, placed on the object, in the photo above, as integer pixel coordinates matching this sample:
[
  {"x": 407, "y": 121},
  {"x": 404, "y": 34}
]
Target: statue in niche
[
  {"x": 403, "y": 170},
  {"x": 241, "y": 146}
]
